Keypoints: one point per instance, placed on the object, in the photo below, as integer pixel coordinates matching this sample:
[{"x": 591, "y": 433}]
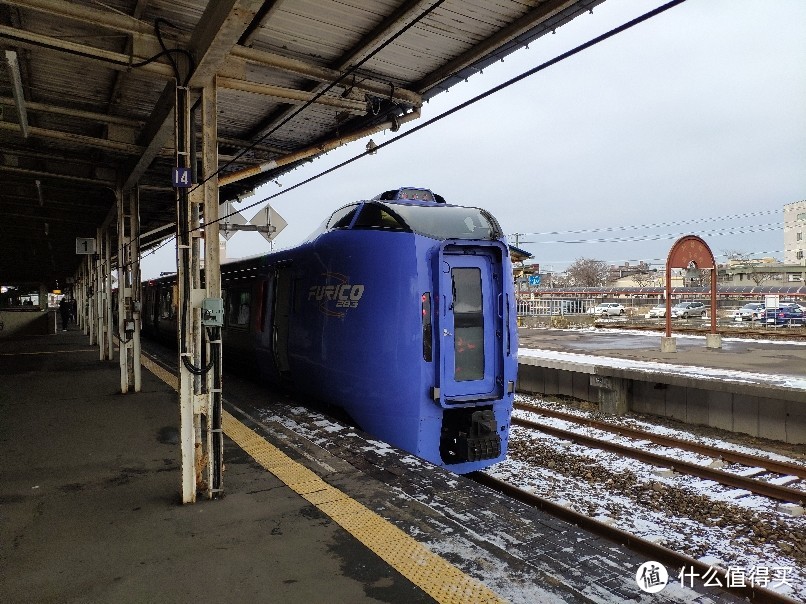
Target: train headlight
[{"x": 427, "y": 326}]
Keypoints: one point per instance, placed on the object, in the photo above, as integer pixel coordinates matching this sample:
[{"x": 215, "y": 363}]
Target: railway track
[
  {"x": 770, "y": 465},
  {"x": 652, "y": 551},
  {"x": 767, "y": 489}
]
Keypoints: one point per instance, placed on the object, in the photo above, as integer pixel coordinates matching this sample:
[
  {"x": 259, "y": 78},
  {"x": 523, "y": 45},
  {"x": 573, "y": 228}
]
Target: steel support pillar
[
  {"x": 103, "y": 296},
  {"x": 78, "y": 292},
  {"x": 199, "y": 341},
  {"x": 208, "y": 194},
  {"x": 128, "y": 287},
  {"x": 109, "y": 342},
  {"x": 92, "y": 296},
  {"x": 84, "y": 311},
  {"x": 137, "y": 287},
  {"x": 100, "y": 290},
  {"x": 124, "y": 292}
]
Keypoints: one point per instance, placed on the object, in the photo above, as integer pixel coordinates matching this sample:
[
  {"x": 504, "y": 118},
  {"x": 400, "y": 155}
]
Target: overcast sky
[{"x": 694, "y": 120}]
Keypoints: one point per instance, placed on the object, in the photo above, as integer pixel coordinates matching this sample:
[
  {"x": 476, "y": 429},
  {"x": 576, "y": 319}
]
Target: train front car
[{"x": 406, "y": 317}]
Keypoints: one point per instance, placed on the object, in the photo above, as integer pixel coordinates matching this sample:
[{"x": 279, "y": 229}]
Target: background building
[{"x": 794, "y": 229}]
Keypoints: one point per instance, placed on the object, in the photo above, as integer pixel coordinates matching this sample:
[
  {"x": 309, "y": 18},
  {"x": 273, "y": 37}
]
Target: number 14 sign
[{"x": 181, "y": 178}]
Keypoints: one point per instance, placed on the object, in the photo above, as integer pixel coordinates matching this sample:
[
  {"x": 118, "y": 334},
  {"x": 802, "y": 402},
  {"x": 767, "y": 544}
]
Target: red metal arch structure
[{"x": 690, "y": 252}]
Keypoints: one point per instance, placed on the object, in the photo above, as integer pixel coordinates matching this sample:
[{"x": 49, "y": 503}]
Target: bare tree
[
  {"x": 735, "y": 255},
  {"x": 758, "y": 276},
  {"x": 643, "y": 279},
  {"x": 587, "y": 272}
]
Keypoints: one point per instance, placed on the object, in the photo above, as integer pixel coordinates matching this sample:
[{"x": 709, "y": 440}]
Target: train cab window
[
  {"x": 374, "y": 216},
  {"x": 468, "y": 324},
  {"x": 342, "y": 217},
  {"x": 449, "y": 222},
  {"x": 238, "y": 307}
]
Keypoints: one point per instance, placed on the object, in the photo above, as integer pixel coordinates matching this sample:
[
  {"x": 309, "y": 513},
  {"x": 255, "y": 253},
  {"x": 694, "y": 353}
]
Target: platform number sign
[
  {"x": 181, "y": 178},
  {"x": 534, "y": 280},
  {"x": 85, "y": 245}
]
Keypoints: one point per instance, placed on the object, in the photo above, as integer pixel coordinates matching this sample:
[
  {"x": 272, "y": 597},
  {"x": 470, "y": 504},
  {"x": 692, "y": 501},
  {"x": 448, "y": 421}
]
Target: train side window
[
  {"x": 165, "y": 304},
  {"x": 341, "y": 218},
  {"x": 238, "y": 307}
]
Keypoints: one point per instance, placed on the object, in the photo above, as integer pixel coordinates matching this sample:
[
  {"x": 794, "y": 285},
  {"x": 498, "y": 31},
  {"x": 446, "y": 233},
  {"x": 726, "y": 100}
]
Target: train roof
[
  {"x": 414, "y": 195},
  {"x": 411, "y": 209}
]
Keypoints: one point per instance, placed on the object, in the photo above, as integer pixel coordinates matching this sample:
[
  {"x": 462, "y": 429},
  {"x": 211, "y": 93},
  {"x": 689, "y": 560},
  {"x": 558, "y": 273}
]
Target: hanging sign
[
  {"x": 85, "y": 245},
  {"x": 181, "y": 178}
]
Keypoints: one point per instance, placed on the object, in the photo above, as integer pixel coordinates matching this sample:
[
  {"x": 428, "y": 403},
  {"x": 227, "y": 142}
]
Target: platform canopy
[{"x": 87, "y": 93}]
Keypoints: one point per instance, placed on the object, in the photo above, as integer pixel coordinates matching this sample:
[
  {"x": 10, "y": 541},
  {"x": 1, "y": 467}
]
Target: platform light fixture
[{"x": 19, "y": 96}]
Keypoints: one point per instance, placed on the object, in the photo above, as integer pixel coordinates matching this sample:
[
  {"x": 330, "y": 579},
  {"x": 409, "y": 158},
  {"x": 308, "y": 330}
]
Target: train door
[
  {"x": 281, "y": 318},
  {"x": 468, "y": 326}
]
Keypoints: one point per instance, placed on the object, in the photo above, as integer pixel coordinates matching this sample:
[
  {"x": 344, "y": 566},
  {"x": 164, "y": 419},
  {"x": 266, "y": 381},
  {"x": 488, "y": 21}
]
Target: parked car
[
  {"x": 786, "y": 314},
  {"x": 608, "y": 309},
  {"x": 657, "y": 312},
  {"x": 751, "y": 311},
  {"x": 685, "y": 310}
]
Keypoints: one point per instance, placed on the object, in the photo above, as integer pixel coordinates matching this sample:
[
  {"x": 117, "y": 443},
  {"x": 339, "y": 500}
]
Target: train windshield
[{"x": 448, "y": 222}]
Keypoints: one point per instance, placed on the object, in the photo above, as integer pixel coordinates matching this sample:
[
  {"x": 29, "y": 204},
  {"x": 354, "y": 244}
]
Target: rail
[
  {"x": 652, "y": 551},
  {"x": 770, "y": 465},
  {"x": 766, "y": 489}
]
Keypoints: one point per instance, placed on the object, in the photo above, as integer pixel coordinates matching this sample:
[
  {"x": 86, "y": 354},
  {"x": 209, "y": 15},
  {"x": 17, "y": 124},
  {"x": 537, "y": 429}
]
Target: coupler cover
[{"x": 483, "y": 441}]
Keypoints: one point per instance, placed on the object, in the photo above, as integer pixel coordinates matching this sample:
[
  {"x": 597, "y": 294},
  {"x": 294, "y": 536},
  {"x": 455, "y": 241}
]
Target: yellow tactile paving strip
[
  {"x": 431, "y": 573},
  {"x": 435, "y": 576},
  {"x": 162, "y": 373}
]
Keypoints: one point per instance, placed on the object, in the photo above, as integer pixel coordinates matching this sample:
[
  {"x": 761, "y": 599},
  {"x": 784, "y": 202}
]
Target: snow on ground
[
  {"x": 723, "y": 526},
  {"x": 690, "y": 336},
  {"x": 729, "y": 375}
]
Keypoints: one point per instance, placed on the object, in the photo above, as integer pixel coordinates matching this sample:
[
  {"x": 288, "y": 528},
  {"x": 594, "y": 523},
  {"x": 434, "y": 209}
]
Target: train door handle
[{"x": 446, "y": 333}]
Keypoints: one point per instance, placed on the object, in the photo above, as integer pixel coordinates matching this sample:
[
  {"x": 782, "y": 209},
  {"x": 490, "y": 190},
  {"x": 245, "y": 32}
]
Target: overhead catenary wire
[
  {"x": 559, "y": 58},
  {"x": 347, "y": 73},
  {"x": 655, "y": 225},
  {"x": 351, "y": 71},
  {"x": 774, "y": 226},
  {"x": 650, "y": 261}
]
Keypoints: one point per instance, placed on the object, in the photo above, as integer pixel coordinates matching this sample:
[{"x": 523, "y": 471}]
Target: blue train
[{"x": 399, "y": 309}]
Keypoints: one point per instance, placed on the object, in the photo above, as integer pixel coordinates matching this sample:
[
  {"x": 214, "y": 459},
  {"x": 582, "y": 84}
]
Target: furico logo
[{"x": 336, "y": 294}]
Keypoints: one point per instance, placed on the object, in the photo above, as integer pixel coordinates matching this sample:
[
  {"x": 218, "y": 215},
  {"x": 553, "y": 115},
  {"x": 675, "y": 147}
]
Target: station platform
[
  {"x": 770, "y": 361},
  {"x": 313, "y": 510},
  {"x": 754, "y": 387}
]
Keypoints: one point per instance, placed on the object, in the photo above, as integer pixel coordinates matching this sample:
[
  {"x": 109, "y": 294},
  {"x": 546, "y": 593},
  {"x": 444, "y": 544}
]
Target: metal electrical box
[{"x": 212, "y": 312}]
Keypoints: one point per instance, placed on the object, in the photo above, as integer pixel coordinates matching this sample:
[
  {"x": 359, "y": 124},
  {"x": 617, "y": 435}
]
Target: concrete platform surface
[
  {"x": 752, "y": 356},
  {"x": 89, "y": 493}
]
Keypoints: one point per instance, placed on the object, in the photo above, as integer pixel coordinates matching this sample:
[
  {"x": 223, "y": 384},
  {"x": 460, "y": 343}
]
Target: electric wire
[
  {"x": 350, "y": 71},
  {"x": 653, "y": 225},
  {"x": 127, "y": 64},
  {"x": 659, "y": 261},
  {"x": 663, "y": 236},
  {"x": 559, "y": 58}
]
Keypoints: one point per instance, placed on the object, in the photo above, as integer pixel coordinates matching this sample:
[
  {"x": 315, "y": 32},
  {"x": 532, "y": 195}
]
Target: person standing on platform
[
  {"x": 64, "y": 311},
  {"x": 74, "y": 311}
]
